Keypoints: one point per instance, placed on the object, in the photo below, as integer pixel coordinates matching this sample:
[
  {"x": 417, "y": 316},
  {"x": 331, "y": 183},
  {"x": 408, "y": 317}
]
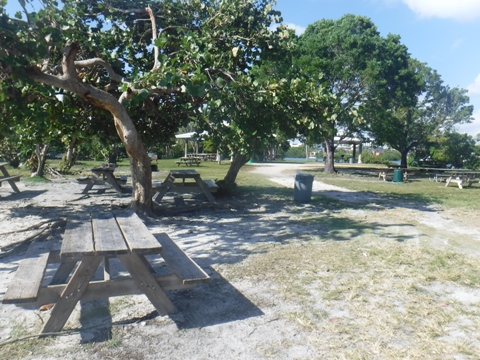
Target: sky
[{"x": 444, "y": 34}]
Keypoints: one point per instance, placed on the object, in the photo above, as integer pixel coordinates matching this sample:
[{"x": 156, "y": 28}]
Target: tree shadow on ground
[
  {"x": 232, "y": 231},
  {"x": 25, "y": 194}
]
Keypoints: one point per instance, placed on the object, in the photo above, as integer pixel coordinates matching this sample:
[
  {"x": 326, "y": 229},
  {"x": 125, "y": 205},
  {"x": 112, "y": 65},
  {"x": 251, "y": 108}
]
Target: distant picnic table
[
  {"x": 205, "y": 186},
  {"x": 461, "y": 177},
  {"x": 102, "y": 175},
  {"x": 189, "y": 161}
]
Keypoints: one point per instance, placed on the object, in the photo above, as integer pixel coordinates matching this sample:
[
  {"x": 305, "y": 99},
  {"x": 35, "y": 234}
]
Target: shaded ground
[{"x": 238, "y": 314}]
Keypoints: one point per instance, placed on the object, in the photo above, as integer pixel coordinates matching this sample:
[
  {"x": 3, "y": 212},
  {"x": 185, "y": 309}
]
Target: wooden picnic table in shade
[
  {"x": 203, "y": 185},
  {"x": 8, "y": 178},
  {"x": 89, "y": 241},
  {"x": 102, "y": 175}
]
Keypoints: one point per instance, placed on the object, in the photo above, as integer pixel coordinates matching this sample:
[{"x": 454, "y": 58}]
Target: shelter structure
[
  {"x": 351, "y": 141},
  {"x": 191, "y": 136}
]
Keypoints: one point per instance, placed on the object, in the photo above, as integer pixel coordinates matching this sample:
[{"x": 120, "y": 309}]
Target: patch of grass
[
  {"x": 370, "y": 297},
  {"x": 34, "y": 180},
  {"x": 418, "y": 189},
  {"x": 24, "y": 348}
]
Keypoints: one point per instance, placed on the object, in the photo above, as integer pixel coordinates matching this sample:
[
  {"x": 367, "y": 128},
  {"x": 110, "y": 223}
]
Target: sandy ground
[{"x": 221, "y": 319}]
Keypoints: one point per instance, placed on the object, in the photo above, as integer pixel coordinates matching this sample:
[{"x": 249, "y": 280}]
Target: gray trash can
[{"x": 303, "y": 187}]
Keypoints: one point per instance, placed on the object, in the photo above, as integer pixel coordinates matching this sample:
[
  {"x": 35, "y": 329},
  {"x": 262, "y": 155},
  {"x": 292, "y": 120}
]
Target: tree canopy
[
  {"x": 428, "y": 108},
  {"x": 349, "y": 59},
  {"x": 152, "y": 66}
]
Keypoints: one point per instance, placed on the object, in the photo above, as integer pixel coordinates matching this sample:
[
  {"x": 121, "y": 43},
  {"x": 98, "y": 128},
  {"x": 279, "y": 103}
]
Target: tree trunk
[
  {"x": 70, "y": 159},
  {"x": 237, "y": 163},
  {"x": 403, "y": 161},
  {"x": 112, "y": 157},
  {"x": 329, "y": 156},
  {"x": 70, "y": 156},
  {"x": 137, "y": 153},
  {"x": 41, "y": 153}
]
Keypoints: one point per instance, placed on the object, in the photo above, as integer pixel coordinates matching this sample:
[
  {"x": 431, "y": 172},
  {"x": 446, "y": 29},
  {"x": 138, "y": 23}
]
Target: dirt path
[{"x": 230, "y": 317}]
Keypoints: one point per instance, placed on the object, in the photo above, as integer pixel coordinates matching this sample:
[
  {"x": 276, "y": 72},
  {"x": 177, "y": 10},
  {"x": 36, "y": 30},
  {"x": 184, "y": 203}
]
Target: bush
[
  {"x": 386, "y": 157},
  {"x": 295, "y": 152}
]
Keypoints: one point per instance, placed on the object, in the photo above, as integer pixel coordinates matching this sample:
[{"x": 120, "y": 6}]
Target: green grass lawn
[{"x": 416, "y": 189}]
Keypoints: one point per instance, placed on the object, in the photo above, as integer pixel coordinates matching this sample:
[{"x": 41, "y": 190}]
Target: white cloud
[
  {"x": 474, "y": 88},
  {"x": 299, "y": 30},
  {"x": 472, "y": 128},
  {"x": 462, "y": 10}
]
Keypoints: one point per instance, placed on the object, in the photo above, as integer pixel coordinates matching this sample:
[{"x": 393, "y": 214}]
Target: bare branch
[
  {"x": 156, "y": 51},
  {"x": 129, "y": 11},
  {"x": 97, "y": 61},
  {"x": 227, "y": 74}
]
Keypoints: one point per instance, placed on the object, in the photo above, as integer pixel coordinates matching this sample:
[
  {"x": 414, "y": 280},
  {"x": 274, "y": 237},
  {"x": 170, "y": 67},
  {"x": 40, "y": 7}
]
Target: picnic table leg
[
  {"x": 11, "y": 182},
  {"x": 147, "y": 283},
  {"x": 205, "y": 189},
  {"x": 90, "y": 184},
  {"x": 72, "y": 293},
  {"x": 164, "y": 188},
  {"x": 448, "y": 181},
  {"x": 112, "y": 181}
]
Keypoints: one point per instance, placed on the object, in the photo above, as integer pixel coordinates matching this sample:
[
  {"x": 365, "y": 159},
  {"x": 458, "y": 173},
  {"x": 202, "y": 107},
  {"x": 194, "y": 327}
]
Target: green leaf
[{"x": 220, "y": 82}]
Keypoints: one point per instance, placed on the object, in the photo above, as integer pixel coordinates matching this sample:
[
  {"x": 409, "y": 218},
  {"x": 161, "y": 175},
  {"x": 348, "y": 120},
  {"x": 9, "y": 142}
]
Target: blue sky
[{"x": 445, "y": 34}]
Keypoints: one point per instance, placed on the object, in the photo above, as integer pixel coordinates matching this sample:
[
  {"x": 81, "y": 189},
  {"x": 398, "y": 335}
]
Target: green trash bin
[{"x": 398, "y": 175}]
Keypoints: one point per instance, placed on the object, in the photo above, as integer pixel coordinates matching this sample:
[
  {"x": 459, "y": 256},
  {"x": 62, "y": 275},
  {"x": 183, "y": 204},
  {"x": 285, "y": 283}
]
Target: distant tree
[
  {"x": 424, "y": 109},
  {"x": 349, "y": 59},
  {"x": 456, "y": 149}
]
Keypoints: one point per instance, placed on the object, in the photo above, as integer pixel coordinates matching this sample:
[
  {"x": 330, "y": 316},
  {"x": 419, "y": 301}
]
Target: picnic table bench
[
  {"x": 11, "y": 179},
  {"x": 88, "y": 242}
]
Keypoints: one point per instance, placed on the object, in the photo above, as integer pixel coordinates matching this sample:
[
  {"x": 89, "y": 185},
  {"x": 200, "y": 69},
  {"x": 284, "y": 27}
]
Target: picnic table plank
[
  {"x": 108, "y": 237},
  {"x": 105, "y": 289},
  {"x": 180, "y": 263},
  {"x": 78, "y": 237},
  {"x": 136, "y": 233},
  {"x": 28, "y": 278}
]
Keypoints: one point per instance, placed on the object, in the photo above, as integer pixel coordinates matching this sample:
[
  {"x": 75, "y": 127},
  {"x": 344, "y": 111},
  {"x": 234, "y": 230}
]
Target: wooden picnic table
[
  {"x": 89, "y": 241},
  {"x": 102, "y": 175},
  {"x": 198, "y": 183},
  {"x": 458, "y": 176},
  {"x": 8, "y": 178},
  {"x": 189, "y": 161},
  {"x": 204, "y": 156}
]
